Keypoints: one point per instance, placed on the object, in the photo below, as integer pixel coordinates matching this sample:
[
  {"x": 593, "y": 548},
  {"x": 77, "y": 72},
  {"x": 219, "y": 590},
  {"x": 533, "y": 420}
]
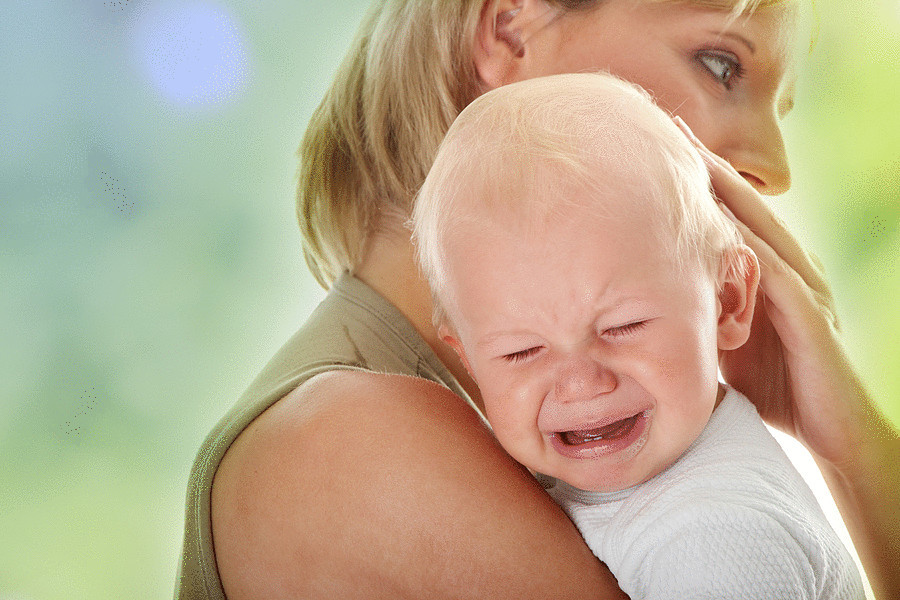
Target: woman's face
[{"x": 729, "y": 81}]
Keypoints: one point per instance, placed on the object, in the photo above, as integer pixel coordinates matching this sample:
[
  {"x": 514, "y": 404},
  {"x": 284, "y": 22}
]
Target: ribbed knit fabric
[{"x": 732, "y": 518}]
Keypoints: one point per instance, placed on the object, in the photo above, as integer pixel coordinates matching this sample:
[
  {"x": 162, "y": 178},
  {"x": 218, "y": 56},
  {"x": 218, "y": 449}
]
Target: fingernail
[{"x": 684, "y": 127}]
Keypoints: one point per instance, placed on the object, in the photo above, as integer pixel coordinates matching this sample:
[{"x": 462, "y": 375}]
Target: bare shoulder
[{"x": 364, "y": 485}]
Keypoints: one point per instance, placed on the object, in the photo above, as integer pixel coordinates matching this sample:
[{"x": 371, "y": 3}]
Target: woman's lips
[{"x": 607, "y": 439}]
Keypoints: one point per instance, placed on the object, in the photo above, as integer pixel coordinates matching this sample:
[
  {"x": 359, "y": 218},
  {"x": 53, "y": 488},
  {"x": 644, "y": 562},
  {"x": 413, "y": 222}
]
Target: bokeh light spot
[{"x": 192, "y": 53}]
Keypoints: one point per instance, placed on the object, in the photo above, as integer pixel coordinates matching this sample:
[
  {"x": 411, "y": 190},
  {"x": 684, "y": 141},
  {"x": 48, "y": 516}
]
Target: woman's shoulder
[
  {"x": 344, "y": 410},
  {"x": 342, "y": 415},
  {"x": 362, "y": 484},
  {"x": 356, "y": 401}
]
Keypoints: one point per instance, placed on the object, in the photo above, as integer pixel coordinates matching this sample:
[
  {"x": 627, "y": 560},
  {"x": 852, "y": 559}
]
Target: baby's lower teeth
[{"x": 573, "y": 438}]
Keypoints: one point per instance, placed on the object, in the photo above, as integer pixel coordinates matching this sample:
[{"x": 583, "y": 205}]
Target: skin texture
[
  {"x": 299, "y": 513},
  {"x": 732, "y": 89},
  {"x": 590, "y": 320},
  {"x": 801, "y": 380},
  {"x": 793, "y": 366},
  {"x": 401, "y": 513}
]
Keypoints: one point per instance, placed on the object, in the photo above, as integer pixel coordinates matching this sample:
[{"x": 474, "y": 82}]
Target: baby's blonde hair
[
  {"x": 371, "y": 141},
  {"x": 507, "y": 159}
]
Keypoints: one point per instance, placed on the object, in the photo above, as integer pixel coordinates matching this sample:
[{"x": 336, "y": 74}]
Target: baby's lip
[
  {"x": 588, "y": 424},
  {"x": 613, "y": 430},
  {"x": 582, "y": 443}
]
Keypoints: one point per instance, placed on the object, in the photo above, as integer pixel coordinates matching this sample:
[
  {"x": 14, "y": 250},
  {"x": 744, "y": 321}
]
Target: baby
[{"x": 587, "y": 279}]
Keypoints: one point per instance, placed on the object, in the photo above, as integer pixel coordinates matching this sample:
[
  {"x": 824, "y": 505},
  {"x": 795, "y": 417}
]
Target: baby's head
[{"x": 585, "y": 275}]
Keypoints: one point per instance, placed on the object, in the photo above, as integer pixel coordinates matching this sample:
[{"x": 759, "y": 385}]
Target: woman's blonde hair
[{"x": 370, "y": 143}]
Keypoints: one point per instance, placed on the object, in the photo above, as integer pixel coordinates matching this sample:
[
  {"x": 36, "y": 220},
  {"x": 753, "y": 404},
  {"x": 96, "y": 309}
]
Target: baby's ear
[
  {"x": 738, "y": 284},
  {"x": 449, "y": 337}
]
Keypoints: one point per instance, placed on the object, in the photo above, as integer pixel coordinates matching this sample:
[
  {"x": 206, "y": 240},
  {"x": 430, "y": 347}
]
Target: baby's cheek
[
  {"x": 687, "y": 357},
  {"x": 518, "y": 436},
  {"x": 652, "y": 365},
  {"x": 512, "y": 409}
]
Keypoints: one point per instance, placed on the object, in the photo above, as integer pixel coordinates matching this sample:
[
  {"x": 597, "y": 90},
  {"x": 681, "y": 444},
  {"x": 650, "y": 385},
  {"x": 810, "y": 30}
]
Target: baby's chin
[
  {"x": 605, "y": 484},
  {"x": 605, "y": 459},
  {"x": 610, "y": 480}
]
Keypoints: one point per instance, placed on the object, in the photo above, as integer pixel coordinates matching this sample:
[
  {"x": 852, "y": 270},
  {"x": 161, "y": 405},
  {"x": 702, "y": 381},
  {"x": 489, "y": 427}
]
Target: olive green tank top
[{"x": 353, "y": 328}]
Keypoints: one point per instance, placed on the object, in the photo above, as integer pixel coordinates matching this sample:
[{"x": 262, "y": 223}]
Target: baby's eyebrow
[{"x": 514, "y": 336}]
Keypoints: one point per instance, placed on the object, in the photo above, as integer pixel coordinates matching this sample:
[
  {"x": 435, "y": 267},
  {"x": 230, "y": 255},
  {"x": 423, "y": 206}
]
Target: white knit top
[{"x": 731, "y": 518}]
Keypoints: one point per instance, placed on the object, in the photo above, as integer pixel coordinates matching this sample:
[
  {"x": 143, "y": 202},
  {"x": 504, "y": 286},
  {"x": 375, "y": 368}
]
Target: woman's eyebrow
[{"x": 738, "y": 37}]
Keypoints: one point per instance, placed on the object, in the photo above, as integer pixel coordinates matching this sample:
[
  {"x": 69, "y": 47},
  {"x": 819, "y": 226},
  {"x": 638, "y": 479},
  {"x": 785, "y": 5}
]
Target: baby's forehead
[
  {"x": 509, "y": 247},
  {"x": 533, "y": 192}
]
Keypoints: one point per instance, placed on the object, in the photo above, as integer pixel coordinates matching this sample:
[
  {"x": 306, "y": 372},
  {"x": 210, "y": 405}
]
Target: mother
[{"x": 357, "y": 465}]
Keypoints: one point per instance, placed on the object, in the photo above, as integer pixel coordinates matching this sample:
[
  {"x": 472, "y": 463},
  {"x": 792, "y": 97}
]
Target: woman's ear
[
  {"x": 500, "y": 40},
  {"x": 448, "y": 336},
  {"x": 737, "y": 297}
]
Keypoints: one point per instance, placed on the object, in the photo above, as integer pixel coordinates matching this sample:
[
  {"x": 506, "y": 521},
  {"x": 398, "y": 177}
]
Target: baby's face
[{"x": 596, "y": 355}]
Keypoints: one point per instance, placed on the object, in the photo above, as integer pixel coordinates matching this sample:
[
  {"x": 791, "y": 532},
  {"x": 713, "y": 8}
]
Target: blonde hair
[
  {"x": 370, "y": 143},
  {"x": 503, "y": 158}
]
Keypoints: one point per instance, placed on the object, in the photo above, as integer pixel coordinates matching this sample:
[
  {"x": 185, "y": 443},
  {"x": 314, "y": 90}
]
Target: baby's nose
[{"x": 583, "y": 378}]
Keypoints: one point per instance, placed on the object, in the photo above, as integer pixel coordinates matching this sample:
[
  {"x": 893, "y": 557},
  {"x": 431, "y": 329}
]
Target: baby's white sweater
[{"x": 731, "y": 518}]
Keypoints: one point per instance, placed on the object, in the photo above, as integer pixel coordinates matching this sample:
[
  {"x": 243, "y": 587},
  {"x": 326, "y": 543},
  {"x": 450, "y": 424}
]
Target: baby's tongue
[{"x": 607, "y": 432}]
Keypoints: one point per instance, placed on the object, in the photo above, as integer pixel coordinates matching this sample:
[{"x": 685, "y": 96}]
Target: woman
[{"x": 359, "y": 481}]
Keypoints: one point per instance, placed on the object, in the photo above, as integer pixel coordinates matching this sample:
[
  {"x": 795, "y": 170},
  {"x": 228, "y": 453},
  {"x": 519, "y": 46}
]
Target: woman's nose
[
  {"x": 759, "y": 155},
  {"x": 583, "y": 378}
]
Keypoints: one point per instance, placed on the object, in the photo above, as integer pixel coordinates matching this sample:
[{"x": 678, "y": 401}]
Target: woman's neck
[{"x": 390, "y": 269}]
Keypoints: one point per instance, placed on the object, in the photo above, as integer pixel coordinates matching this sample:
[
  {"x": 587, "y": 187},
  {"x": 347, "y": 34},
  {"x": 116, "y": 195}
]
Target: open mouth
[
  {"x": 629, "y": 433},
  {"x": 613, "y": 431}
]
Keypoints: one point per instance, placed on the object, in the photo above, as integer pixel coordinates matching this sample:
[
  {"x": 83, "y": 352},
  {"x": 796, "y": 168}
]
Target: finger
[
  {"x": 782, "y": 285},
  {"x": 827, "y": 293},
  {"x": 750, "y": 208}
]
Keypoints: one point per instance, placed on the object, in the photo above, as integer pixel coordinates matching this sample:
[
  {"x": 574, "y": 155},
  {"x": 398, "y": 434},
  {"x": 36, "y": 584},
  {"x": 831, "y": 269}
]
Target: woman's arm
[
  {"x": 795, "y": 370},
  {"x": 360, "y": 485}
]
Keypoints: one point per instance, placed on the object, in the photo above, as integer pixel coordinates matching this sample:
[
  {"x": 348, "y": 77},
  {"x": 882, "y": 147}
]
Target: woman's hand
[
  {"x": 793, "y": 367},
  {"x": 796, "y": 372}
]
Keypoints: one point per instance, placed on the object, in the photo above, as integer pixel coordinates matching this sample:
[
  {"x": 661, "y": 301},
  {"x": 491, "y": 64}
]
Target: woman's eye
[
  {"x": 723, "y": 66},
  {"x": 623, "y": 330},
  {"x": 521, "y": 355}
]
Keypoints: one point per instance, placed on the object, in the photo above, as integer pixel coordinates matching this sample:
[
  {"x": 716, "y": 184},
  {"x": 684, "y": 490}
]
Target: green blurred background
[{"x": 150, "y": 263}]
